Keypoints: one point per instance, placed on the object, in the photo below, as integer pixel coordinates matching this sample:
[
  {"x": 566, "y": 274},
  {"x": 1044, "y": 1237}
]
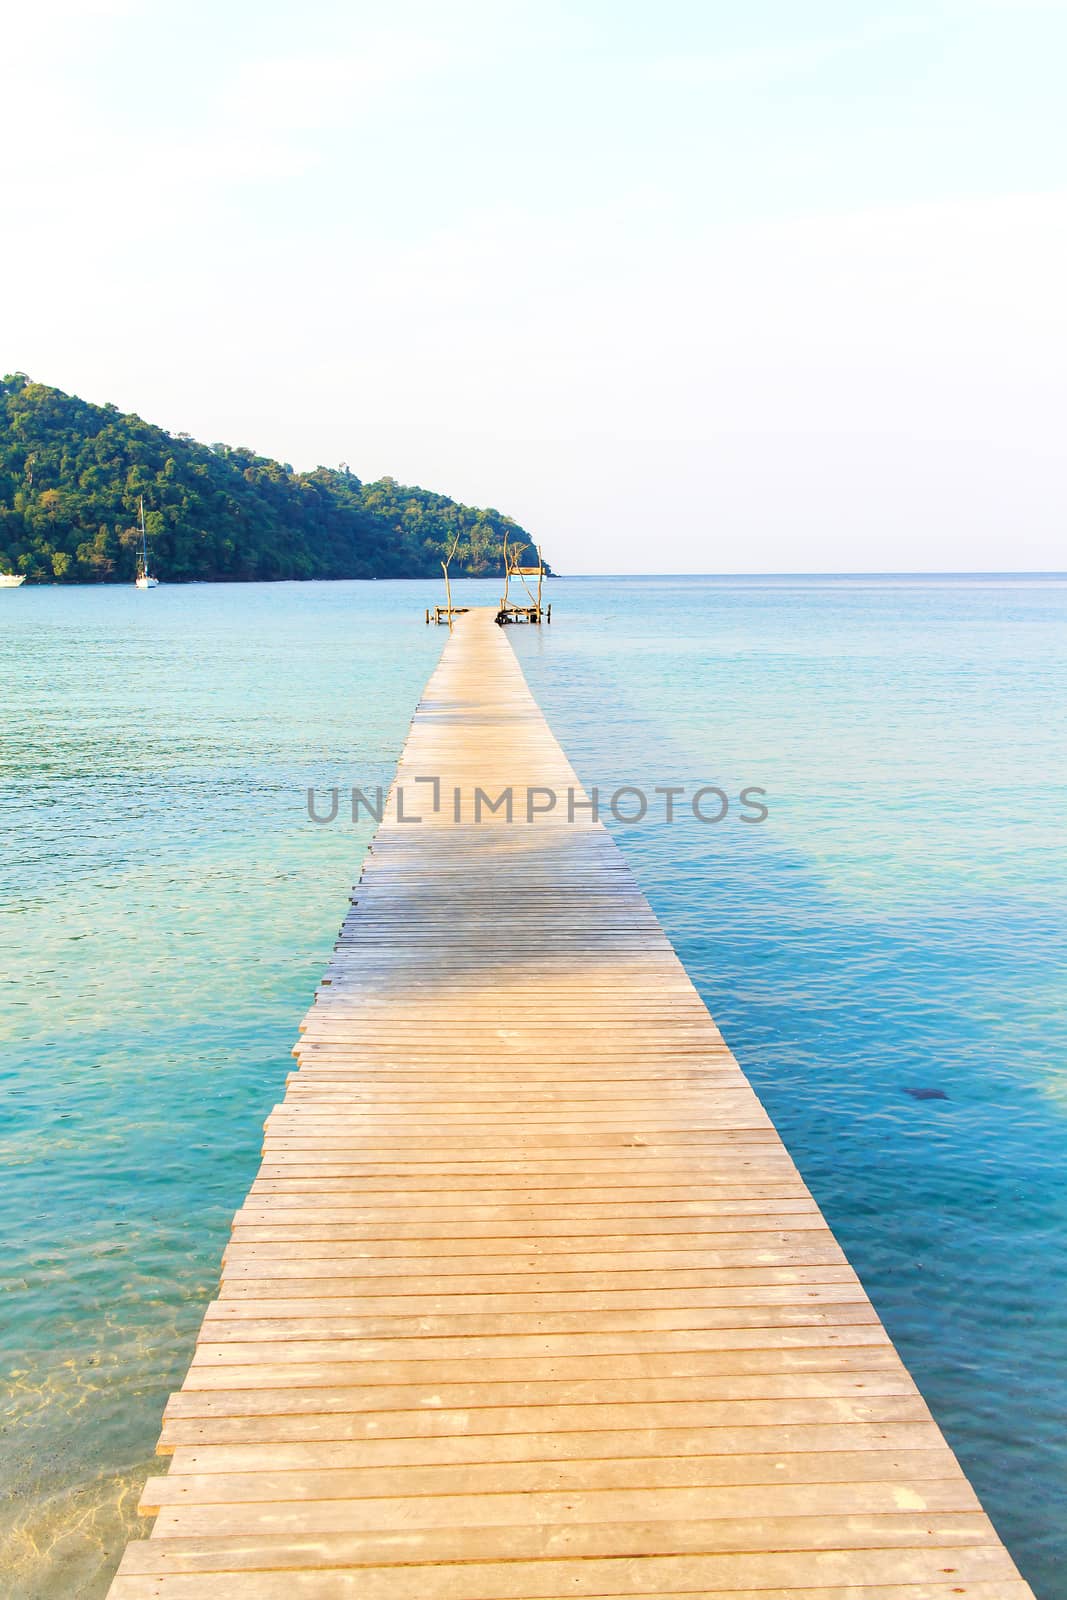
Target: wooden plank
[
  {"x": 948, "y": 1536},
  {"x": 594, "y": 1391},
  {"x": 527, "y": 1298},
  {"x": 333, "y": 1325},
  {"x": 431, "y": 1368},
  {"x": 292, "y": 1283},
  {"x": 517, "y": 1581},
  {"x": 915, "y": 1576},
  {"x": 244, "y": 1445},
  {"x": 583, "y": 1506},
  {"x": 578, "y": 1299},
  {"x": 533, "y": 1477},
  {"x": 677, "y": 1418}
]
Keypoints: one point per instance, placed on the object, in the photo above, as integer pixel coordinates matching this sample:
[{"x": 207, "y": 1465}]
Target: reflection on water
[{"x": 898, "y": 923}]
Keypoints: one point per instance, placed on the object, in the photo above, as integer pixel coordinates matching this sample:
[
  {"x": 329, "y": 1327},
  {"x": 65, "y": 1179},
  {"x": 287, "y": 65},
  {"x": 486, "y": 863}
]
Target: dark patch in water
[{"x": 927, "y": 1094}]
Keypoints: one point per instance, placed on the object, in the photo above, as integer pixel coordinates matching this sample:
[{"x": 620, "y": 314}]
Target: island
[{"x": 73, "y": 476}]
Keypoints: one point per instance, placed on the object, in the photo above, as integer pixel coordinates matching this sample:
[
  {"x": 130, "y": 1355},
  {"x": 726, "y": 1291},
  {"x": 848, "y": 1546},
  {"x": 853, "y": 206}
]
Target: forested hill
[{"x": 71, "y": 475}]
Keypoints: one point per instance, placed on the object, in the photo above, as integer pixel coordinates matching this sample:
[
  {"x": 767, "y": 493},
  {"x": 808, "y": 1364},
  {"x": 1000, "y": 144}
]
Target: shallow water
[{"x": 897, "y": 923}]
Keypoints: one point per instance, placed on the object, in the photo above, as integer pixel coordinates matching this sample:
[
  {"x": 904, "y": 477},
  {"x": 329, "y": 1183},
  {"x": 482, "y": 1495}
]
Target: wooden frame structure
[
  {"x": 531, "y": 610},
  {"x": 446, "y": 612}
]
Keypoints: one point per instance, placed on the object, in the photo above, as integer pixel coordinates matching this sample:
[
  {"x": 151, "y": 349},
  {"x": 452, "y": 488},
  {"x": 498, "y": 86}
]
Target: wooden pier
[
  {"x": 528, "y": 1299},
  {"x": 445, "y": 614}
]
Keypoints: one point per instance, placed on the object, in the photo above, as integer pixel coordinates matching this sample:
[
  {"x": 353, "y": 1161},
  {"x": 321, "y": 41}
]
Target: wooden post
[
  {"x": 448, "y": 586},
  {"x": 448, "y": 592}
]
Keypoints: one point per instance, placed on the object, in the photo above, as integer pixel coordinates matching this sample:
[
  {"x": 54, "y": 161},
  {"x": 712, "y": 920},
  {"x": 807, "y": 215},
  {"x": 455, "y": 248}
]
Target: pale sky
[{"x": 701, "y": 285}]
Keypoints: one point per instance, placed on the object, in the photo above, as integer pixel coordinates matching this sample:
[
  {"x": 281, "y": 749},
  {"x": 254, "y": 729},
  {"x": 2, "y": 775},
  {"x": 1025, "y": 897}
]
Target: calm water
[{"x": 899, "y": 922}]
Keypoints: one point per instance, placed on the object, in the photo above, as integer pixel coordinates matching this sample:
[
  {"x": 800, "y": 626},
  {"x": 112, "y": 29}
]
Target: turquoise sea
[{"x": 898, "y": 923}]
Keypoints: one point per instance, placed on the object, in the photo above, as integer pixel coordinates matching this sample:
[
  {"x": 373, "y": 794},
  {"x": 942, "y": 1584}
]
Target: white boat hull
[
  {"x": 147, "y": 583},
  {"x": 11, "y": 580}
]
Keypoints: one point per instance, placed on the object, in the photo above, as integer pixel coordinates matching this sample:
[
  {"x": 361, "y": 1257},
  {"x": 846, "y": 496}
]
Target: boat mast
[{"x": 144, "y": 541}]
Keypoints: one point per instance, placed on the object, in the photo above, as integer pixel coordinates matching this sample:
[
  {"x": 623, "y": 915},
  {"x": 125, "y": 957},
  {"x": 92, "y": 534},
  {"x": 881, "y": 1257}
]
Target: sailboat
[
  {"x": 11, "y": 580},
  {"x": 144, "y": 579}
]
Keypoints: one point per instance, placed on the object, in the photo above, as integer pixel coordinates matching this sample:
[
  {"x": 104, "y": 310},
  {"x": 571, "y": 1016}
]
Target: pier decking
[{"x": 528, "y": 1299}]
